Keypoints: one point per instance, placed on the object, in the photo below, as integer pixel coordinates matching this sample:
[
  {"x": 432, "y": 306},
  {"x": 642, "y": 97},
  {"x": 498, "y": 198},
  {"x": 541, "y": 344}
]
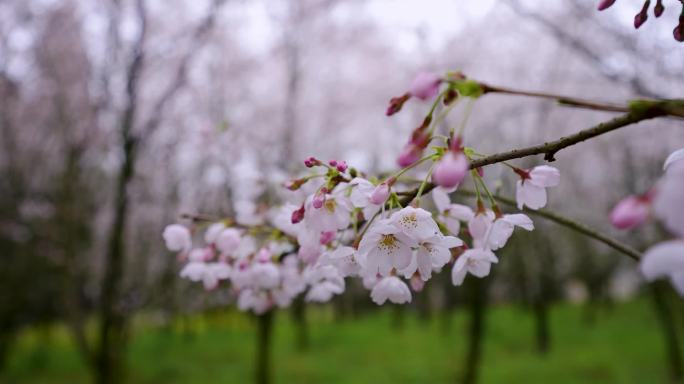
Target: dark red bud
[
  {"x": 605, "y": 4},
  {"x": 659, "y": 8},
  {"x": 396, "y": 103},
  {"x": 642, "y": 16},
  {"x": 298, "y": 215}
]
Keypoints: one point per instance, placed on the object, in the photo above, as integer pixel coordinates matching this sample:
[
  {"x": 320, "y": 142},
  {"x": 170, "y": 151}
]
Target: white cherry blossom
[
  {"x": 451, "y": 214},
  {"x": 391, "y": 288},
  {"x": 360, "y": 197},
  {"x": 384, "y": 246},
  {"x": 665, "y": 260},
  {"x": 477, "y": 262},
  {"x": 177, "y": 238},
  {"x": 415, "y": 223},
  {"x": 531, "y": 189}
]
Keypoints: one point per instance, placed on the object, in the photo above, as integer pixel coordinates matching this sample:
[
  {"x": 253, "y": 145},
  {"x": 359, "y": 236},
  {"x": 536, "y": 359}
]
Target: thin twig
[{"x": 569, "y": 223}]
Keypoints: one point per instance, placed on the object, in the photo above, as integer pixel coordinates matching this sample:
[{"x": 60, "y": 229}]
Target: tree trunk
[
  {"x": 478, "y": 305},
  {"x": 670, "y": 336},
  {"x": 300, "y": 323},
  {"x": 541, "y": 319},
  {"x": 263, "y": 350}
]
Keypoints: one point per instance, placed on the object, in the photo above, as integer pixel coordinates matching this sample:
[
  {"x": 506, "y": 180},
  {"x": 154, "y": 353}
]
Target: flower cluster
[
  {"x": 342, "y": 223},
  {"x": 665, "y": 201}
]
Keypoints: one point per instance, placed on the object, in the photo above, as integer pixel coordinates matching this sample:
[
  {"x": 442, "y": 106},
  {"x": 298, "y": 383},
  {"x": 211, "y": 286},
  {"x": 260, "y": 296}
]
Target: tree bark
[
  {"x": 670, "y": 335},
  {"x": 476, "y": 331},
  {"x": 263, "y": 350}
]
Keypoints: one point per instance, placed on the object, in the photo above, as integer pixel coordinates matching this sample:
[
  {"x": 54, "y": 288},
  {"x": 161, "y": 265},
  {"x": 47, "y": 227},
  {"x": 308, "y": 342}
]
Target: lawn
[{"x": 623, "y": 346}]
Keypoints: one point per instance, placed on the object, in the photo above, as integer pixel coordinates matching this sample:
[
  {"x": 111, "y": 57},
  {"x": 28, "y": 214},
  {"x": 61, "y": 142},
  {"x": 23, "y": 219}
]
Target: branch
[
  {"x": 569, "y": 223},
  {"x": 549, "y": 149},
  {"x": 563, "y": 100}
]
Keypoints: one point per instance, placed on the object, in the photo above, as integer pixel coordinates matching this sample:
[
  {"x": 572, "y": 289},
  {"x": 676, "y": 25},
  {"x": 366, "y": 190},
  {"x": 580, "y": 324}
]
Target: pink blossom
[
  {"x": 391, "y": 288},
  {"x": 380, "y": 194},
  {"x": 177, "y": 238},
  {"x": 531, "y": 188},
  {"x": 425, "y": 85},
  {"x": 228, "y": 240},
  {"x": 630, "y": 212},
  {"x": 451, "y": 169},
  {"x": 476, "y": 261},
  {"x": 327, "y": 237},
  {"x": 409, "y": 155}
]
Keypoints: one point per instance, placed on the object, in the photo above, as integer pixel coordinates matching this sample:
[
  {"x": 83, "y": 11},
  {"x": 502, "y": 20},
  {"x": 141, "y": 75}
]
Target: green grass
[{"x": 623, "y": 346}]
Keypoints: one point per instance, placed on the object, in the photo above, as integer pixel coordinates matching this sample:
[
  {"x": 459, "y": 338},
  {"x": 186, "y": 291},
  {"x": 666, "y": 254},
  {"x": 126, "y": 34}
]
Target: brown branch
[
  {"x": 563, "y": 100},
  {"x": 569, "y": 223}
]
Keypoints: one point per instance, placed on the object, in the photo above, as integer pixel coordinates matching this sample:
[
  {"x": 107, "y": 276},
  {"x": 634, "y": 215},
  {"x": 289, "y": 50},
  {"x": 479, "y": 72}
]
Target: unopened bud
[
  {"x": 642, "y": 16},
  {"x": 341, "y": 166},
  {"x": 605, "y": 4},
  {"x": 298, "y": 215},
  {"x": 396, "y": 103},
  {"x": 659, "y": 8},
  {"x": 380, "y": 194}
]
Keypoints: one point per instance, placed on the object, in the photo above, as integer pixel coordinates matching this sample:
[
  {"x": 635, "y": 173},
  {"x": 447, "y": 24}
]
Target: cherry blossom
[
  {"x": 531, "y": 188},
  {"x": 380, "y": 194},
  {"x": 391, "y": 288},
  {"x": 363, "y": 196},
  {"x": 674, "y": 157},
  {"x": 415, "y": 223},
  {"x": 631, "y": 212},
  {"x": 177, "y": 238},
  {"x": 228, "y": 240},
  {"x": 432, "y": 253},
  {"x": 668, "y": 204},
  {"x": 476, "y": 261},
  {"x": 384, "y": 247},
  {"x": 425, "y": 85},
  {"x": 665, "y": 260},
  {"x": 451, "y": 214},
  {"x": 451, "y": 169}
]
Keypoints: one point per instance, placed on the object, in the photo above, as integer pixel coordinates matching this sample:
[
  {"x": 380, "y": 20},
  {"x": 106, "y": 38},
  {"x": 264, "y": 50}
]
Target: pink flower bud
[
  {"x": 630, "y": 212},
  {"x": 380, "y": 194},
  {"x": 327, "y": 237},
  {"x": 332, "y": 163},
  {"x": 342, "y": 166},
  {"x": 409, "y": 155},
  {"x": 605, "y": 4},
  {"x": 311, "y": 162},
  {"x": 425, "y": 85},
  {"x": 298, "y": 215},
  {"x": 417, "y": 284},
  {"x": 451, "y": 169},
  {"x": 319, "y": 198}
]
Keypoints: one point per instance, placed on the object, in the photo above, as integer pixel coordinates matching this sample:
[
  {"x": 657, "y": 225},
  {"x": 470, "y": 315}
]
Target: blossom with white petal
[
  {"x": 502, "y": 229},
  {"x": 257, "y": 301},
  {"x": 228, "y": 240},
  {"x": 477, "y": 262},
  {"x": 333, "y": 214},
  {"x": 208, "y": 273},
  {"x": 322, "y": 292},
  {"x": 383, "y": 247},
  {"x": 213, "y": 232},
  {"x": 265, "y": 275},
  {"x": 668, "y": 203},
  {"x": 665, "y": 260},
  {"x": 416, "y": 223},
  {"x": 674, "y": 157},
  {"x": 361, "y": 193},
  {"x": 531, "y": 188},
  {"x": 451, "y": 214},
  {"x": 177, "y": 238},
  {"x": 391, "y": 288},
  {"x": 432, "y": 254},
  {"x": 345, "y": 259}
]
